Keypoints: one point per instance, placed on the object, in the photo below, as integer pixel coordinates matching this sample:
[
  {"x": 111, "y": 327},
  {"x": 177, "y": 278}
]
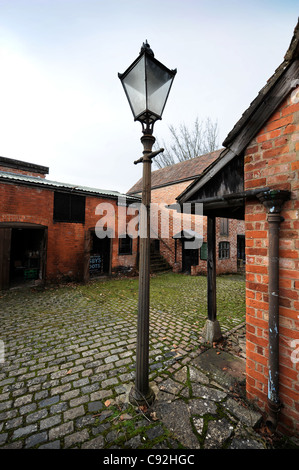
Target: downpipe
[
  {"x": 274, "y": 404},
  {"x": 273, "y": 200}
]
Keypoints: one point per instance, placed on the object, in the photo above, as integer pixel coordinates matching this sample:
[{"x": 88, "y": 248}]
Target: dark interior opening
[
  {"x": 25, "y": 255},
  {"x": 99, "y": 262}
]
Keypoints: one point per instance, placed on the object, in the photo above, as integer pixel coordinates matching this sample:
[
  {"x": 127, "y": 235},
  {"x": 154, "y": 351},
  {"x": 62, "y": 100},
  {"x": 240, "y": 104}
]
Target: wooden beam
[{"x": 212, "y": 310}]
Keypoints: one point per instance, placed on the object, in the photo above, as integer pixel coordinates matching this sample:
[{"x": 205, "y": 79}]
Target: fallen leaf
[
  {"x": 143, "y": 408},
  {"x": 107, "y": 403},
  {"x": 69, "y": 371},
  {"x": 218, "y": 352},
  {"x": 154, "y": 416}
]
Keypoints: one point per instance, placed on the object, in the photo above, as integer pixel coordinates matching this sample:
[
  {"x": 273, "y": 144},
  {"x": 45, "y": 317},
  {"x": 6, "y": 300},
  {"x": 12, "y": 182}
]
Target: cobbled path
[
  {"x": 65, "y": 356},
  {"x": 69, "y": 365}
]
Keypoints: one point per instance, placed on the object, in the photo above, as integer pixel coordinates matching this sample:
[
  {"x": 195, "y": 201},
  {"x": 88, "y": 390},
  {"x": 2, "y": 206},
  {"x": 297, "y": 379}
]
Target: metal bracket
[{"x": 150, "y": 156}]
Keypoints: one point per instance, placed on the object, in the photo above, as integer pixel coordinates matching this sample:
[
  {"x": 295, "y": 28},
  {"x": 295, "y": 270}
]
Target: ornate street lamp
[{"x": 147, "y": 84}]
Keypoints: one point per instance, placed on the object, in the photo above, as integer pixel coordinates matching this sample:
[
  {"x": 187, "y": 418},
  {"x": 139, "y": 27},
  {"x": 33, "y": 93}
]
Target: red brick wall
[
  {"x": 22, "y": 172},
  {"x": 65, "y": 250},
  {"x": 272, "y": 159},
  {"x": 167, "y": 195}
]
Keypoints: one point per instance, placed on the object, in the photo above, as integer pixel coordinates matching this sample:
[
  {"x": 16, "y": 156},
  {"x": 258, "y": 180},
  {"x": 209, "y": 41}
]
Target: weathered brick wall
[
  {"x": 22, "y": 172},
  {"x": 65, "y": 247},
  {"x": 167, "y": 195},
  {"x": 272, "y": 159}
]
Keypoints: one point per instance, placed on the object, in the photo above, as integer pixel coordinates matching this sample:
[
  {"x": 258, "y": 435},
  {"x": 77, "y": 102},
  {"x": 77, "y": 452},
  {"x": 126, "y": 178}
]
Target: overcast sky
[{"x": 62, "y": 104}]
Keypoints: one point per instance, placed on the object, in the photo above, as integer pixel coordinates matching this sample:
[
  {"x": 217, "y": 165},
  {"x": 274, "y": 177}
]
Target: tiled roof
[{"x": 186, "y": 170}]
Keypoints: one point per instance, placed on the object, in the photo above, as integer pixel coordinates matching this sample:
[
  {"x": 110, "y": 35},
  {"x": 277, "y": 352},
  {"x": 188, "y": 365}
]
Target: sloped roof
[
  {"x": 182, "y": 171},
  {"x": 56, "y": 185},
  {"x": 12, "y": 163}
]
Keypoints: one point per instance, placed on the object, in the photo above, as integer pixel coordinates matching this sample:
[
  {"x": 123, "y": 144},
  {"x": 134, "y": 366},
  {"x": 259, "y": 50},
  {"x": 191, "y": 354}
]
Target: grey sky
[{"x": 62, "y": 104}]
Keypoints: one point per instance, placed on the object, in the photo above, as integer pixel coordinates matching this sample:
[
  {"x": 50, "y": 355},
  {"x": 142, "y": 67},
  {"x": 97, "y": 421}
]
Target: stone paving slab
[{"x": 70, "y": 364}]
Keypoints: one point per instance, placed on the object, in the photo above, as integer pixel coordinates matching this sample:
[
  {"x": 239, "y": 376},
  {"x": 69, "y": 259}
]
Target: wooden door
[
  {"x": 43, "y": 260},
  {"x": 87, "y": 248},
  {"x": 5, "y": 242}
]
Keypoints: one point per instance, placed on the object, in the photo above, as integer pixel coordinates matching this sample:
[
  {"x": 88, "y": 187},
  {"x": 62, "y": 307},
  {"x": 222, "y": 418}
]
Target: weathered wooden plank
[{"x": 5, "y": 242}]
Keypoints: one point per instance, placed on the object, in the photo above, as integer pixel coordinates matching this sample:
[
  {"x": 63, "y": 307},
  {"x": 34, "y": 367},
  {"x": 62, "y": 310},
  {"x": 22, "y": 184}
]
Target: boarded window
[
  {"x": 204, "y": 251},
  {"x": 125, "y": 246},
  {"x": 224, "y": 250},
  {"x": 224, "y": 228},
  {"x": 69, "y": 208}
]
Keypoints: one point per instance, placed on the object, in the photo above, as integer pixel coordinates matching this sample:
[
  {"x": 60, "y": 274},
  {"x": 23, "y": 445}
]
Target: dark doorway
[
  {"x": 241, "y": 252},
  {"x": 22, "y": 254},
  {"x": 26, "y": 255},
  {"x": 99, "y": 261},
  {"x": 189, "y": 256}
]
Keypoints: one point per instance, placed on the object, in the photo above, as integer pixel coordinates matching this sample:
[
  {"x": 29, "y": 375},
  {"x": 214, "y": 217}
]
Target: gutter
[{"x": 224, "y": 199}]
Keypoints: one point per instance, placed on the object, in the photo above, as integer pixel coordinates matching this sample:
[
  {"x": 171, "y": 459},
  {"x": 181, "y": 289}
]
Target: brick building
[
  {"x": 52, "y": 231},
  {"x": 260, "y": 166},
  {"x": 167, "y": 184}
]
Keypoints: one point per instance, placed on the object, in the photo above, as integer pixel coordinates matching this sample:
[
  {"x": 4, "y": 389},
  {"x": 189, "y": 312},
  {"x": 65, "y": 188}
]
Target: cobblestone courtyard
[{"x": 70, "y": 358}]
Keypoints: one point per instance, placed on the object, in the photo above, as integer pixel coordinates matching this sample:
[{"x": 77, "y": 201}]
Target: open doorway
[
  {"x": 22, "y": 254},
  {"x": 241, "y": 253},
  {"x": 100, "y": 256}
]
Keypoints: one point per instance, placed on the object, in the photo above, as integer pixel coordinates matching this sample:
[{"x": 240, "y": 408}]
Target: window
[
  {"x": 224, "y": 227},
  {"x": 204, "y": 251},
  {"x": 125, "y": 245},
  {"x": 223, "y": 250},
  {"x": 69, "y": 208}
]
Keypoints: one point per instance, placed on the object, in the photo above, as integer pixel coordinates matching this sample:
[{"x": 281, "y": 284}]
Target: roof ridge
[{"x": 172, "y": 174}]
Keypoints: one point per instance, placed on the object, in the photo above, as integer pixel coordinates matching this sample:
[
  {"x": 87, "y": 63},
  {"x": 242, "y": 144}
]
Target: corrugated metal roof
[{"x": 38, "y": 181}]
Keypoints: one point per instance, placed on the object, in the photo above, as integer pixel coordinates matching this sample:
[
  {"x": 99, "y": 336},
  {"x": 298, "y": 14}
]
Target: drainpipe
[{"x": 273, "y": 200}]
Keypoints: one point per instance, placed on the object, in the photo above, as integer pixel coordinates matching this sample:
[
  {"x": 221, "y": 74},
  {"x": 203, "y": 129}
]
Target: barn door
[
  {"x": 87, "y": 248},
  {"x": 5, "y": 241},
  {"x": 43, "y": 259}
]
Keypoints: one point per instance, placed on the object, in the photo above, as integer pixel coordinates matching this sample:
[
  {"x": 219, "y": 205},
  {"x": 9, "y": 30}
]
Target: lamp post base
[
  {"x": 212, "y": 331},
  {"x": 137, "y": 398}
]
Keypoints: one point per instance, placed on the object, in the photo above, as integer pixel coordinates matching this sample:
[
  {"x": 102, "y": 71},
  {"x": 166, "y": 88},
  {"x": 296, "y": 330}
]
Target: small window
[
  {"x": 125, "y": 245},
  {"x": 224, "y": 228},
  {"x": 224, "y": 250},
  {"x": 204, "y": 251},
  {"x": 69, "y": 208}
]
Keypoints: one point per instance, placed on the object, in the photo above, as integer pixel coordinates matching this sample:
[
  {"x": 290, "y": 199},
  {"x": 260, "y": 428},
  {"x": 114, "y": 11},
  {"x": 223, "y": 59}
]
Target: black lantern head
[{"x": 147, "y": 84}]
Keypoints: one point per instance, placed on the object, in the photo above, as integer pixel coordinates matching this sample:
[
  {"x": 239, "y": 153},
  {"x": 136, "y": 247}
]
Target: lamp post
[{"x": 147, "y": 84}]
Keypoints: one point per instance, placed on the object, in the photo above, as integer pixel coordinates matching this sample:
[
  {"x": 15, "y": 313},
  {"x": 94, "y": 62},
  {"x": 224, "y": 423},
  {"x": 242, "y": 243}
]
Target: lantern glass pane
[
  {"x": 159, "y": 82},
  {"x": 134, "y": 84}
]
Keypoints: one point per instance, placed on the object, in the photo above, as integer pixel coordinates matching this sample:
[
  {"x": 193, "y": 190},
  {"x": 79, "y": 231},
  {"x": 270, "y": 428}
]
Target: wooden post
[
  {"x": 212, "y": 332},
  {"x": 211, "y": 233}
]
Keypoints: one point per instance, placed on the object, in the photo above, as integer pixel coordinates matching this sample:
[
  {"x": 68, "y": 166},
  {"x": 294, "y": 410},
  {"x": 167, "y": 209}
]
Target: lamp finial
[{"x": 146, "y": 48}]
